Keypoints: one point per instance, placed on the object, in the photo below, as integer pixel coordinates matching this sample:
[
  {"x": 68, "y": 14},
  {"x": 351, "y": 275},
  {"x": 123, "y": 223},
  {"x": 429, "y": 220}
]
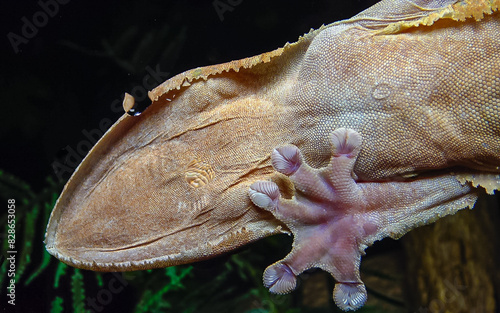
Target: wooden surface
[{"x": 452, "y": 265}]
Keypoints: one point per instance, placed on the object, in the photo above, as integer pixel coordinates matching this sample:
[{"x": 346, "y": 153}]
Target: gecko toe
[
  {"x": 349, "y": 296},
  {"x": 264, "y": 194},
  {"x": 279, "y": 278},
  {"x": 286, "y": 159},
  {"x": 345, "y": 141}
]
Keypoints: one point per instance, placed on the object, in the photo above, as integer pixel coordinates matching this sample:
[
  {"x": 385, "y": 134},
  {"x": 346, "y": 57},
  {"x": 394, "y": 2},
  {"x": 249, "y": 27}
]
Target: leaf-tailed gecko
[{"x": 363, "y": 129}]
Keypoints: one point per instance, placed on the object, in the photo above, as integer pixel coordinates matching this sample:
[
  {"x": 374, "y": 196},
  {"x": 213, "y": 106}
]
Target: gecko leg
[
  {"x": 333, "y": 217},
  {"x": 325, "y": 234}
]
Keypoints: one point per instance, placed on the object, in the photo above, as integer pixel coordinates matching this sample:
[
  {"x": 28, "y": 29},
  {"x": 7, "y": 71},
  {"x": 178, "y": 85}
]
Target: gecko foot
[{"x": 333, "y": 217}]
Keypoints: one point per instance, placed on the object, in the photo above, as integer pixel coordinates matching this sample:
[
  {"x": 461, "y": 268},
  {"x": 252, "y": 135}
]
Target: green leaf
[
  {"x": 60, "y": 271},
  {"x": 78, "y": 291},
  {"x": 56, "y": 306},
  {"x": 46, "y": 257},
  {"x": 29, "y": 234}
]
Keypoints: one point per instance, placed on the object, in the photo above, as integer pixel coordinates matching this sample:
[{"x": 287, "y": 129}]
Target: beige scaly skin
[{"x": 419, "y": 81}]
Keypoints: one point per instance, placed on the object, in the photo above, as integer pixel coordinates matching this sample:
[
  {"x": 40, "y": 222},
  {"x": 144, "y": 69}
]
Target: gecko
[{"x": 362, "y": 129}]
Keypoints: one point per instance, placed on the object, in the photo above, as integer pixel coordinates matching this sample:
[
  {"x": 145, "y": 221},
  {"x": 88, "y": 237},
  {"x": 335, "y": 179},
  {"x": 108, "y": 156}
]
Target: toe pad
[
  {"x": 279, "y": 278},
  {"x": 349, "y": 296},
  {"x": 264, "y": 194}
]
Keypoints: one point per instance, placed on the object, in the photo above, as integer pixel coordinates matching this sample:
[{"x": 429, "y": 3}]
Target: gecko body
[{"x": 363, "y": 129}]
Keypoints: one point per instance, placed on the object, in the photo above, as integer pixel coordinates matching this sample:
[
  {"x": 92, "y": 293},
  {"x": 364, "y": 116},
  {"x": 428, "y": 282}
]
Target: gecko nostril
[{"x": 199, "y": 173}]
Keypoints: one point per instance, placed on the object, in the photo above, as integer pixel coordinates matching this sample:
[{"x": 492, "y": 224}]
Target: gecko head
[{"x": 168, "y": 186}]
